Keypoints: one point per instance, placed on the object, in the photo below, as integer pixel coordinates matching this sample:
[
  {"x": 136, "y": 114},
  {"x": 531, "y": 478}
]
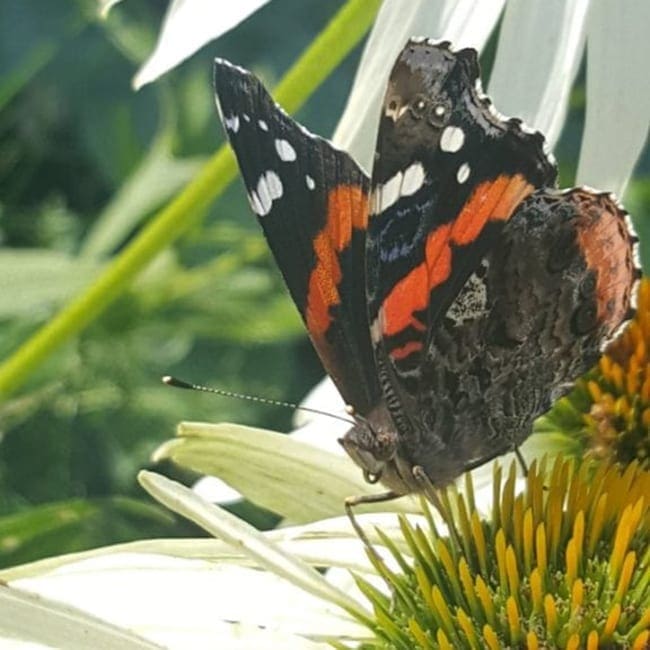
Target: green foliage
[
  {"x": 75, "y": 525},
  {"x": 84, "y": 164}
]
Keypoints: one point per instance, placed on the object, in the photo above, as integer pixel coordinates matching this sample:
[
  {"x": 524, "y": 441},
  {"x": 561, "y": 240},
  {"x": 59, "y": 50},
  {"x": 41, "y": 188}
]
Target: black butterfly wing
[
  {"x": 545, "y": 301},
  {"x": 311, "y": 200},
  {"x": 449, "y": 173}
]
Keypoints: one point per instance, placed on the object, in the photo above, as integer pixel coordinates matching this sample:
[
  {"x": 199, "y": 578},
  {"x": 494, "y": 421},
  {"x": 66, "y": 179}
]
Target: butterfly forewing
[
  {"x": 448, "y": 174},
  {"x": 311, "y": 201}
]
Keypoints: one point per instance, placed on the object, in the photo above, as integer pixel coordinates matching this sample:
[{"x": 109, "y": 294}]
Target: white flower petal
[
  {"x": 618, "y": 93},
  {"x": 183, "y": 603},
  {"x": 271, "y": 469},
  {"x": 104, "y": 6},
  {"x": 188, "y": 25},
  {"x": 243, "y": 537},
  {"x": 463, "y": 22},
  {"x": 539, "y": 51},
  {"x": 215, "y": 490},
  {"x": 36, "y": 621},
  {"x": 324, "y": 396}
]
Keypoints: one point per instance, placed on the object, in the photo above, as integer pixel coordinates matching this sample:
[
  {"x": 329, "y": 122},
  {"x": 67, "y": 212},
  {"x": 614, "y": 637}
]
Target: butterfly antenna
[
  {"x": 179, "y": 383},
  {"x": 358, "y": 418}
]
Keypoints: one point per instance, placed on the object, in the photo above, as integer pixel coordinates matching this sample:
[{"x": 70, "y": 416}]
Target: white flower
[{"x": 188, "y": 25}]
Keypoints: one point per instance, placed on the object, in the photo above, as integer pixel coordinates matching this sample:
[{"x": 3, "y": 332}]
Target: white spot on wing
[
  {"x": 463, "y": 173},
  {"x": 309, "y": 181},
  {"x": 232, "y": 123},
  {"x": 263, "y": 125},
  {"x": 269, "y": 188},
  {"x": 413, "y": 179},
  {"x": 286, "y": 152},
  {"x": 403, "y": 183},
  {"x": 452, "y": 139},
  {"x": 246, "y": 117},
  {"x": 388, "y": 193},
  {"x": 275, "y": 184},
  {"x": 256, "y": 204}
]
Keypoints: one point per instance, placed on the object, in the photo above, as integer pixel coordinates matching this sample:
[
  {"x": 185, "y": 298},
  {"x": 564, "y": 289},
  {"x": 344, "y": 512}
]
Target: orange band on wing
[
  {"x": 604, "y": 242},
  {"x": 406, "y": 350},
  {"x": 411, "y": 293},
  {"x": 347, "y": 208},
  {"x": 493, "y": 200}
]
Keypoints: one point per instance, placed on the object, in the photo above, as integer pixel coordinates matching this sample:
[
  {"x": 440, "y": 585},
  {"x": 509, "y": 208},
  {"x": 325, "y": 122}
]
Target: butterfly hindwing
[
  {"x": 534, "y": 316},
  {"x": 311, "y": 201}
]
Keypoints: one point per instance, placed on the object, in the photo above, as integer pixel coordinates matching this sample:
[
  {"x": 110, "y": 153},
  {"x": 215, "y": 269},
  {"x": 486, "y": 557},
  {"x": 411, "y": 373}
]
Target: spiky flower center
[
  {"x": 615, "y": 397},
  {"x": 564, "y": 564}
]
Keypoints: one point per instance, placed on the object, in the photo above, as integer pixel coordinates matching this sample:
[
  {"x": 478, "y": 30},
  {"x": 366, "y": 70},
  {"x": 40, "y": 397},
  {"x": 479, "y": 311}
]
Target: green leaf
[
  {"x": 75, "y": 525},
  {"x": 32, "y": 281},
  {"x": 326, "y": 51},
  {"x": 273, "y": 470},
  {"x": 158, "y": 177}
]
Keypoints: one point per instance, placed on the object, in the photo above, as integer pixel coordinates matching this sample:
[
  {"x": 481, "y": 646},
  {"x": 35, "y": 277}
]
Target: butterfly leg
[
  {"x": 352, "y": 502},
  {"x": 521, "y": 460},
  {"x": 431, "y": 493}
]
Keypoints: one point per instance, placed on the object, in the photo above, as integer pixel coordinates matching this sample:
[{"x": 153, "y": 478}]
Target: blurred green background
[{"x": 84, "y": 161}]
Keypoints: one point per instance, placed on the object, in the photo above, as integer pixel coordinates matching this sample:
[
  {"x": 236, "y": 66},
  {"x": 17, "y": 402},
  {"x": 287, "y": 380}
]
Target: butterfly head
[{"x": 373, "y": 444}]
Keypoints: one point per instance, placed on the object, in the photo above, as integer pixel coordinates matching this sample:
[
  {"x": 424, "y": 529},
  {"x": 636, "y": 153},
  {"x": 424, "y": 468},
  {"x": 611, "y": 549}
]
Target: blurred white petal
[
  {"x": 215, "y": 490},
  {"x": 33, "y": 620},
  {"x": 318, "y": 430},
  {"x": 188, "y": 25},
  {"x": 104, "y": 6},
  {"x": 324, "y": 396},
  {"x": 618, "y": 93},
  {"x": 324, "y": 433},
  {"x": 184, "y": 603},
  {"x": 538, "y": 54},
  {"x": 463, "y": 22}
]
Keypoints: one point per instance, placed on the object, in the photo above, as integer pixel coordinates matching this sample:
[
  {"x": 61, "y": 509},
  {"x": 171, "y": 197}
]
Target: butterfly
[{"x": 455, "y": 293}]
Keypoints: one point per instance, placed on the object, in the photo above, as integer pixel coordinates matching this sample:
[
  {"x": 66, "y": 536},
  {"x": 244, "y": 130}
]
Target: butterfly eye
[
  {"x": 371, "y": 477},
  {"x": 418, "y": 106},
  {"x": 439, "y": 114}
]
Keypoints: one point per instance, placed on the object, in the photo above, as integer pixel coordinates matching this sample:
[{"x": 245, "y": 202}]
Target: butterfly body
[{"x": 454, "y": 294}]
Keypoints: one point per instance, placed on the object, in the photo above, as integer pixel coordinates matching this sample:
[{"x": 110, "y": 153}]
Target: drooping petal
[
  {"x": 244, "y": 538},
  {"x": 188, "y": 25},
  {"x": 463, "y": 22},
  {"x": 269, "y": 468},
  {"x": 538, "y": 54},
  {"x": 618, "y": 93}
]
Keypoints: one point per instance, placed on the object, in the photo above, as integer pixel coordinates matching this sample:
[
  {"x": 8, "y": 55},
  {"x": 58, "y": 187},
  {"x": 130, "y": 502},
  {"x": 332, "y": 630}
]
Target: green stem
[{"x": 329, "y": 48}]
